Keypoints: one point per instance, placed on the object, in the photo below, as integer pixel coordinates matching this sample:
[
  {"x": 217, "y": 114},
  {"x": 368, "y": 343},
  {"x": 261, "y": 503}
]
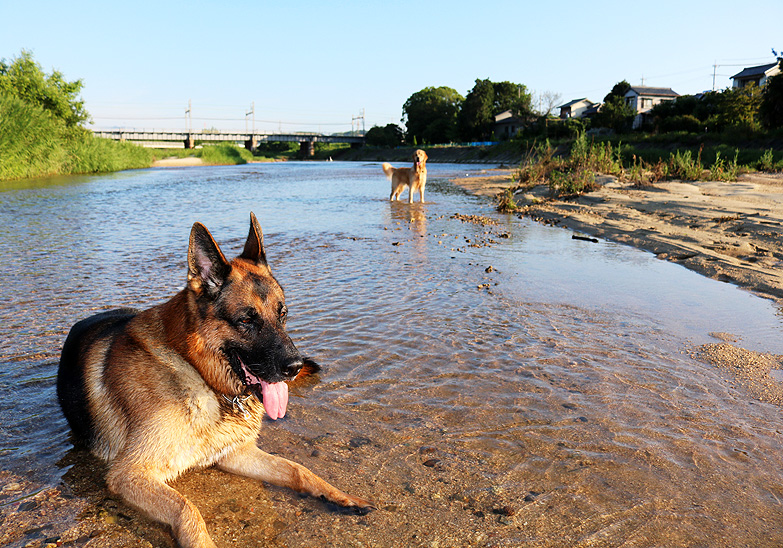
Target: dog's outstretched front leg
[
  {"x": 160, "y": 502},
  {"x": 250, "y": 461}
]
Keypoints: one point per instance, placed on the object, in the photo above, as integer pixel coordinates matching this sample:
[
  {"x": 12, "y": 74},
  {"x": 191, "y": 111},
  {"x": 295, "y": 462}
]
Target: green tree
[
  {"x": 618, "y": 90},
  {"x": 477, "y": 114},
  {"x": 513, "y": 97},
  {"x": 739, "y": 107},
  {"x": 430, "y": 115},
  {"x": 23, "y": 78},
  {"x": 771, "y": 107},
  {"x": 391, "y": 135},
  {"x": 486, "y": 100},
  {"x": 616, "y": 113}
]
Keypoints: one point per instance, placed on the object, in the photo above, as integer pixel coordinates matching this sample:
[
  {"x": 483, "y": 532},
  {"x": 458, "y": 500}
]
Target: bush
[
  {"x": 571, "y": 182},
  {"x": 723, "y": 171},
  {"x": 767, "y": 161},
  {"x": 506, "y": 201},
  {"x": 391, "y": 135},
  {"x": 224, "y": 154},
  {"x": 687, "y": 123},
  {"x": 683, "y": 166},
  {"x": 537, "y": 164}
]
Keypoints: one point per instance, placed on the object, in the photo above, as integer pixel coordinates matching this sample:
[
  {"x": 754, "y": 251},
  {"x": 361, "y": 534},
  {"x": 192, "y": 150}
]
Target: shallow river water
[{"x": 485, "y": 384}]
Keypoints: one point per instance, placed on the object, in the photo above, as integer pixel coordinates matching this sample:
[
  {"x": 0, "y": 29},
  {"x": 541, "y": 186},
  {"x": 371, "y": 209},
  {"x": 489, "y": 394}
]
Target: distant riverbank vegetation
[
  {"x": 714, "y": 135},
  {"x": 41, "y": 131}
]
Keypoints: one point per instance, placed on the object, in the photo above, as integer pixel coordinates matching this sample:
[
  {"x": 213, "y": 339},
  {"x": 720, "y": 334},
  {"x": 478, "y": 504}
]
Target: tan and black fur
[
  {"x": 413, "y": 178},
  {"x": 184, "y": 385}
]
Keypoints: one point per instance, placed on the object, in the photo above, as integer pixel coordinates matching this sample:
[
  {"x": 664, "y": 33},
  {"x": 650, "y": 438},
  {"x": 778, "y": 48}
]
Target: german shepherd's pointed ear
[
  {"x": 207, "y": 266},
  {"x": 254, "y": 246}
]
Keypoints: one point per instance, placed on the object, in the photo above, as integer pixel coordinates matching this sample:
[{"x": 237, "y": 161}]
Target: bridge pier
[
  {"x": 190, "y": 142},
  {"x": 252, "y": 143},
  {"x": 306, "y": 149}
]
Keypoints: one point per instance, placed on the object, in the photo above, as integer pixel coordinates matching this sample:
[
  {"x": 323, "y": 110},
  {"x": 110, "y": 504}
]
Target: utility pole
[
  {"x": 356, "y": 119},
  {"x": 253, "y": 112},
  {"x": 189, "y": 116},
  {"x": 714, "y": 70}
]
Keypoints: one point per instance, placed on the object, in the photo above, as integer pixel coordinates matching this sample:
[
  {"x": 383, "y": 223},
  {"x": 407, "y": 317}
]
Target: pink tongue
[{"x": 275, "y": 399}]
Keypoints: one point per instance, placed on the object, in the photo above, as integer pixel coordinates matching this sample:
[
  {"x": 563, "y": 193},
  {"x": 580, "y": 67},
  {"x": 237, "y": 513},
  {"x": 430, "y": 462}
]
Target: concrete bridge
[{"x": 251, "y": 139}]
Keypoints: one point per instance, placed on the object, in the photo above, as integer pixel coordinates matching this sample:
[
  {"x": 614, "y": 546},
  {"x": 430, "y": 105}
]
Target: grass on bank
[
  {"x": 227, "y": 153},
  {"x": 33, "y": 143},
  {"x": 570, "y": 168}
]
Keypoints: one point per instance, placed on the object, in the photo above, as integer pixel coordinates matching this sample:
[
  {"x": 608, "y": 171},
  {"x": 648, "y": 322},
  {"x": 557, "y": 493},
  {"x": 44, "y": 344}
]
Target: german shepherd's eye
[{"x": 249, "y": 319}]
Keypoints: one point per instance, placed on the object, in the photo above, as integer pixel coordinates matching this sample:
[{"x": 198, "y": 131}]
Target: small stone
[
  {"x": 531, "y": 497},
  {"x": 431, "y": 462},
  {"x": 12, "y": 487},
  {"x": 505, "y": 510},
  {"x": 27, "y": 506},
  {"x": 358, "y": 442}
]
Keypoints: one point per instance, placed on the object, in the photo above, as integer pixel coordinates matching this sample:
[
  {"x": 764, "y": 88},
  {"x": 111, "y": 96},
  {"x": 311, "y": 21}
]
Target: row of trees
[
  {"x": 443, "y": 115},
  {"x": 749, "y": 108}
]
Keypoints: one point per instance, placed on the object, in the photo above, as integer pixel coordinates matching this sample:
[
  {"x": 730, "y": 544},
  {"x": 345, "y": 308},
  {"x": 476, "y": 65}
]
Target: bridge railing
[{"x": 133, "y": 134}]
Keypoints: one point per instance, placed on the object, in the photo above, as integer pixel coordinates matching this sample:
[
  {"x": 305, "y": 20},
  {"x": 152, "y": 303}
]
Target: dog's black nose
[{"x": 292, "y": 368}]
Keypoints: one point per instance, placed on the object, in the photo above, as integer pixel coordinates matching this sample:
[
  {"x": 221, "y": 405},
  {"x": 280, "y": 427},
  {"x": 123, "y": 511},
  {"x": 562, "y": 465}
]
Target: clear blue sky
[{"x": 313, "y": 65}]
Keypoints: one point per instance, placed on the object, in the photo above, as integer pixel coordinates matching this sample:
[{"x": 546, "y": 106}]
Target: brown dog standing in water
[
  {"x": 413, "y": 178},
  {"x": 185, "y": 385}
]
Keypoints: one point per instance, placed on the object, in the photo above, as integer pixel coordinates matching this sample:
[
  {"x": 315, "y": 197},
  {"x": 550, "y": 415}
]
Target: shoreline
[{"x": 725, "y": 231}]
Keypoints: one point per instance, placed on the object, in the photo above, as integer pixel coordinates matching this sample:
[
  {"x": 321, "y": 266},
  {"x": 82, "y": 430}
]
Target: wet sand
[{"x": 726, "y": 231}]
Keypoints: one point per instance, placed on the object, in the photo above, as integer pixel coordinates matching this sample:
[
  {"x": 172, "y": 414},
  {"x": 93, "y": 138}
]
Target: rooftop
[
  {"x": 750, "y": 72},
  {"x": 657, "y": 92}
]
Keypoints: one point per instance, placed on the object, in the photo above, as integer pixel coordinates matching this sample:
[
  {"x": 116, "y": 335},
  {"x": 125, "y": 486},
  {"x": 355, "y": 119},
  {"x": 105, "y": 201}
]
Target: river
[{"x": 487, "y": 381}]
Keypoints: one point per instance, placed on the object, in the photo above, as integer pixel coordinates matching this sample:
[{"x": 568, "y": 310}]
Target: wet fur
[
  {"x": 149, "y": 391},
  {"x": 413, "y": 178}
]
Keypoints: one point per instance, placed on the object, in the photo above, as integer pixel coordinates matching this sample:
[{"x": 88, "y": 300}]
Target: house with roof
[
  {"x": 643, "y": 98},
  {"x": 576, "y": 108},
  {"x": 755, "y": 75},
  {"x": 506, "y": 125}
]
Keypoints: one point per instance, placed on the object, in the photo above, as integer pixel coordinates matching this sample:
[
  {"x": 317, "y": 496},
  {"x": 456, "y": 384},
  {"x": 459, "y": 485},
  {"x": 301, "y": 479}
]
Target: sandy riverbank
[
  {"x": 178, "y": 162},
  {"x": 726, "y": 231}
]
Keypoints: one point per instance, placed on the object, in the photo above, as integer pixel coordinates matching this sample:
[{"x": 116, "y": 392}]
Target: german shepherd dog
[
  {"x": 413, "y": 178},
  {"x": 185, "y": 385}
]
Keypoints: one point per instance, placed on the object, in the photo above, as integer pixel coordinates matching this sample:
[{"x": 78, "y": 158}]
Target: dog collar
[{"x": 238, "y": 404}]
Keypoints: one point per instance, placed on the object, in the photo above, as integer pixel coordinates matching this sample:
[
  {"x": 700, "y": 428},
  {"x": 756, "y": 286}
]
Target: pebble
[
  {"x": 431, "y": 462},
  {"x": 12, "y": 487},
  {"x": 359, "y": 442}
]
